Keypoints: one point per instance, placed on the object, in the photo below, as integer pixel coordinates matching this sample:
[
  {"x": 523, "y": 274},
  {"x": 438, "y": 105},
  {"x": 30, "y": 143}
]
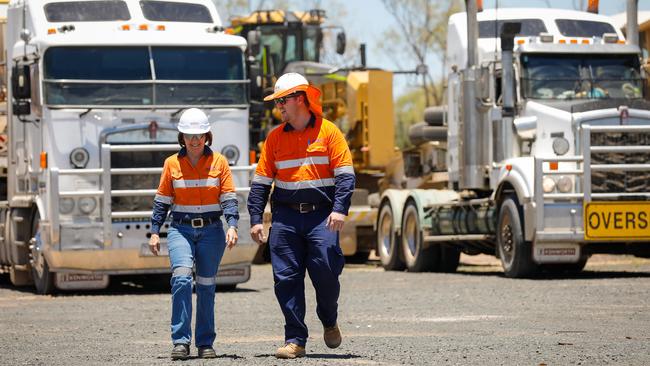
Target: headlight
[
  {"x": 548, "y": 184},
  {"x": 231, "y": 153},
  {"x": 66, "y": 205},
  {"x": 560, "y": 145},
  {"x": 87, "y": 205},
  {"x": 79, "y": 158},
  {"x": 564, "y": 184}
]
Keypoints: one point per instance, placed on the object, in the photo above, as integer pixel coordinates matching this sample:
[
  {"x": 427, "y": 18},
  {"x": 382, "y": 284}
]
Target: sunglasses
[
  {"x": 283, "y": 100},
  {"x": 191, "y": 136}
]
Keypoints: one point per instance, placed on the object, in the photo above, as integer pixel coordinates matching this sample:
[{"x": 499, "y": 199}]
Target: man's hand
[
  {"x": 154, "y": 244},
  {"x": 257, "y": 234},
  {"x": 231, "y": 238},
  {"x": 335, "y": 221}
]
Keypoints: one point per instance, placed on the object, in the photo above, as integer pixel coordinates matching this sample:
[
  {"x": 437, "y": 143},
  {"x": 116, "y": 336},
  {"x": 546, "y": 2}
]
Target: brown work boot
[
  {"x": 290, "y": 350},
  {"x": 332, "y": 336}
]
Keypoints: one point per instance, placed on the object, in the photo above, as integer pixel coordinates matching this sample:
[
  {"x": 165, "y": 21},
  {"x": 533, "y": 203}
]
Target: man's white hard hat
[
  {"x": 288, "y": 83},
  {"x": 193, "y": 121}
]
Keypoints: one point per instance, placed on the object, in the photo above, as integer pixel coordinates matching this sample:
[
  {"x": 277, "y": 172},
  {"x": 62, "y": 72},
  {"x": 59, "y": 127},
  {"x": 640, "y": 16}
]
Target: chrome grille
[
  {"x": 620, "y": 181},
  {"x": 135, "y": 159}
]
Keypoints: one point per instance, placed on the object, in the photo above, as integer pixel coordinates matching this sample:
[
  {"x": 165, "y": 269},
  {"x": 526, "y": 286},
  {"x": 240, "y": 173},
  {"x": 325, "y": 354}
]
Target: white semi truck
[
  {"x": 95, "y": 92},
  {"x": 547, "y": 147}
]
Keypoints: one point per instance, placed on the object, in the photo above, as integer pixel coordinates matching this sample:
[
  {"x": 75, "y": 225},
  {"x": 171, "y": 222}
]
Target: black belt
[
  {"x": 197, "y": 222},
  {"x": 304, "y": 207}
]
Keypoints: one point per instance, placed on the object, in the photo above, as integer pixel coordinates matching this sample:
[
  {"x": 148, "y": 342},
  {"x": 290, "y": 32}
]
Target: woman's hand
[
  {"x": 231, "y": 237},
  {"x": 154, "y": 244}
]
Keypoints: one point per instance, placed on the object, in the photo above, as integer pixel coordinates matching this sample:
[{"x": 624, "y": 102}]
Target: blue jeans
[
  {"x": 204, "y": 248},
  {"x": 299, "y": 243}
]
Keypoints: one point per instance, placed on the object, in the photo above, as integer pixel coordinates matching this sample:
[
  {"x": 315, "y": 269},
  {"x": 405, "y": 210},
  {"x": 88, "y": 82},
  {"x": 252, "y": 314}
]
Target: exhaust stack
[{"x": 632, "y": 28}]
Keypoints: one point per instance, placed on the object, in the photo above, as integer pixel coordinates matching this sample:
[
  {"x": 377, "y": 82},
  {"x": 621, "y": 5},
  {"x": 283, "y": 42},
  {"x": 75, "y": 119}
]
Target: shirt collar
[
  {"x": 206, "y": 151},
  {"x": 312, "y": 122}
]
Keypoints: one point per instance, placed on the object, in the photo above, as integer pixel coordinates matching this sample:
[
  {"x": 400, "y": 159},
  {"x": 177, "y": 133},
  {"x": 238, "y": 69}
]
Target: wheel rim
[
  {"x": 37, "y": 260},
  {"x": 507, "y": 242},
  {"x": 410, "y": 233},
  {"x": 385, "y": 232}
]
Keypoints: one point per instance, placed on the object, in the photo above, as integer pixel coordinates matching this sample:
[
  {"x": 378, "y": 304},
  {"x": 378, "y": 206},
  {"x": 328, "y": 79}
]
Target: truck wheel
[
  {"x": 387, "y": 246},
  {"x": 43, "y": 278},
  {"x": 515, "y": 253},
  {"x": 417, "y": 257}
]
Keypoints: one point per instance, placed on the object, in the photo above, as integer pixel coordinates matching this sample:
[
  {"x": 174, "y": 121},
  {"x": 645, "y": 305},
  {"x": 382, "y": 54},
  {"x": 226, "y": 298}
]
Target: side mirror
[
  {"x": 253, "y": 38},
  {"x": 256, "y": 78},
  {"x": 20, "y": 82},
  {"x": 340, "y": 43}
]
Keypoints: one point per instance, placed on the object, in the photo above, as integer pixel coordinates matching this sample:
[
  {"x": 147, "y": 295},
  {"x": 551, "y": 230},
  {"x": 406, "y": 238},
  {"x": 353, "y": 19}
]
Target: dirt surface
[{"x": 476, "y": 316}]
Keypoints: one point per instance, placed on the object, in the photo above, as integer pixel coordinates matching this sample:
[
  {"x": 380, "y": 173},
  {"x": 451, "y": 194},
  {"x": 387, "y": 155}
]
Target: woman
[{"x": 197, "y": 184}]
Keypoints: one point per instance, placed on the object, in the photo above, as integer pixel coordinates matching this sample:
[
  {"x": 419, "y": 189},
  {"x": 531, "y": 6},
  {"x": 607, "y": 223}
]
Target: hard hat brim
[
  {"x": 193, "y": 131},
  {"x": 282, "y": 93}
]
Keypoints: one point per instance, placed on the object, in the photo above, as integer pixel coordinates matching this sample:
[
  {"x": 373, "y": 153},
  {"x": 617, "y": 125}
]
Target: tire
[
  {"x": 387, "y": 241},
  {"x": 449, "y": 258},
  {"x": 417, "y": 256},
  {"x": 43, "y": 278},
  {"x": 515, "y": 253}
]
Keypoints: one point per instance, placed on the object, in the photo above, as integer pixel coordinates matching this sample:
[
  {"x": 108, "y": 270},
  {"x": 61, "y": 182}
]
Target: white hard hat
[
  {"x": 288, "y": 83},
  {"x": 193, "y": 121}
]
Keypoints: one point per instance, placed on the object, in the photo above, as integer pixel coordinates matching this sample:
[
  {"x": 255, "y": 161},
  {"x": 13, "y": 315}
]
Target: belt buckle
[
  {"x": 309, "y": 207},
  {"x": 197, "y": 222}
]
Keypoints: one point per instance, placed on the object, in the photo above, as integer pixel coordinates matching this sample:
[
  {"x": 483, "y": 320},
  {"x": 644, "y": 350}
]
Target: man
[{"x": 310, "y": 163}]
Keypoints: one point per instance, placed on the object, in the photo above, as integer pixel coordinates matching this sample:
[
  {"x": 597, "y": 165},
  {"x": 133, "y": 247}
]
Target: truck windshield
[
  {"x": 289, "y": 45},
  {"x": 581, "y": 77},
  {"x": 124, "y": 76}
]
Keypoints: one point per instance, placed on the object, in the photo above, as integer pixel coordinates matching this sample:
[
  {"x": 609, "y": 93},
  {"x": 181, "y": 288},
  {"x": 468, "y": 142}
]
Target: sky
[{"x": 367, "y": 19}]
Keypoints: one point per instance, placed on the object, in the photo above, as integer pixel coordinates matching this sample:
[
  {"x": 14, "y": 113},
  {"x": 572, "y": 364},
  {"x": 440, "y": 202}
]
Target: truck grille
[
  {"x": 139, "y": 159},
  {"x": 620, "y": 181}
]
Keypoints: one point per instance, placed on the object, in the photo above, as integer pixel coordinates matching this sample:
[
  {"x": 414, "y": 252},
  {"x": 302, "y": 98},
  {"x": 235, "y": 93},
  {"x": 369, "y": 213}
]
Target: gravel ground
[{"x": 476, "y": 316}]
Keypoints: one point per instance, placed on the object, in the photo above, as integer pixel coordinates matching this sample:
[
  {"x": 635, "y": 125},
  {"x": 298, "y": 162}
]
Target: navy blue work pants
[{"x": 298, "y": 242}]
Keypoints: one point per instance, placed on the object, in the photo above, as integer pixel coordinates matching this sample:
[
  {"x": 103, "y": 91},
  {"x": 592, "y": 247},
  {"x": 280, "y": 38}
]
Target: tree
[{"x": 420, "y": 37}]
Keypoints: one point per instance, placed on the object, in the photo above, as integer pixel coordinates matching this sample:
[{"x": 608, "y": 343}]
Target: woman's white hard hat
[{"x": 193, "y": 121}]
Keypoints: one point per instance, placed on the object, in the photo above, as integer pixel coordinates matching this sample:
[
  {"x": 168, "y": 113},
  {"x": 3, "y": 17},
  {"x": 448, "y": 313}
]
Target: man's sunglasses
[
  {"x": 191, "y": 136},
  {"x": 283, "y": 100}
]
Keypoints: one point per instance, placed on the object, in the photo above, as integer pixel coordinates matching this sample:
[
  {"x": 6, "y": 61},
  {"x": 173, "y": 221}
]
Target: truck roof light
[
  {"x": 586, "y": 41},
  {"x": 160, "y": 27},
  {"x": 610, "y": 37},
  {"x": 521, "y": 41},
  {"x": 574, "y": 41},
  {"x": 125, "y": 27},
  {"x": 51, "y": 31},
  {"x": 546, "y": 37},
  {"x": 620, "y": 41},
  {"x": 562, "y": 41},
  {"x": 143, "y": 27}
]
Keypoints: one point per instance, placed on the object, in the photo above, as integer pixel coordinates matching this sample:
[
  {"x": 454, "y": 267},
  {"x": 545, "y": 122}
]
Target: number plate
[{"x": 617, "y": 220}]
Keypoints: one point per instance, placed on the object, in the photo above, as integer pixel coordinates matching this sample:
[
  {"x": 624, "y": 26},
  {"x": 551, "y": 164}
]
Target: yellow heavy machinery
[{"x": 358, "y": 100}]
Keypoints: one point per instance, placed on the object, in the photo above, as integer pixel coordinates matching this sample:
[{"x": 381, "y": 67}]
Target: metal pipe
[
  {"x": 472, "y": 33},
  {"x": 632, "y": 28}
]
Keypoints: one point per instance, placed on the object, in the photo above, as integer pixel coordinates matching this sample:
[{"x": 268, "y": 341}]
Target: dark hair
[{"x": 208, "y": 139}]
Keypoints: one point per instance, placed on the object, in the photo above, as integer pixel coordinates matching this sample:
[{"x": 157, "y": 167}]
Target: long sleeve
[
  {"x": 228, "y": 198},
  {"x": 344, "y": 178},
  {"x": 261, "y": 184},
  {"x": 163, "y": 200}
]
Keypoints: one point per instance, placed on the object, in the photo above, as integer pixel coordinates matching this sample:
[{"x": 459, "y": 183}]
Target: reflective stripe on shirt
[
  {"x": 326, "y": 182},
  {"x": 163, "y": 199},
  {"x": 344, "y": 170},
  {"x": 262, "y": 180},
  {"x": 196, "y": 208},
  {"x": 191, "y": 183},
  {"x": 310, "y": 160}
]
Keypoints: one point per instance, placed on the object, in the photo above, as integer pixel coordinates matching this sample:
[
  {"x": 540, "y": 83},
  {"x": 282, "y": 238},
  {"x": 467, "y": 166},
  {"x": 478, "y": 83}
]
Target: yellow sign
[{"x": 617, "y": 220}]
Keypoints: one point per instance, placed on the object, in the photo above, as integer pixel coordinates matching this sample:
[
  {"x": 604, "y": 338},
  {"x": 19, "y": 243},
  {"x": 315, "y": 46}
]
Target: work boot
[
  {"x": 207, "y": 352},
  {"x": 290, "y": 350},
  {"x": 332, "y": 336},
  {"x": 180, "y": 352}
]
